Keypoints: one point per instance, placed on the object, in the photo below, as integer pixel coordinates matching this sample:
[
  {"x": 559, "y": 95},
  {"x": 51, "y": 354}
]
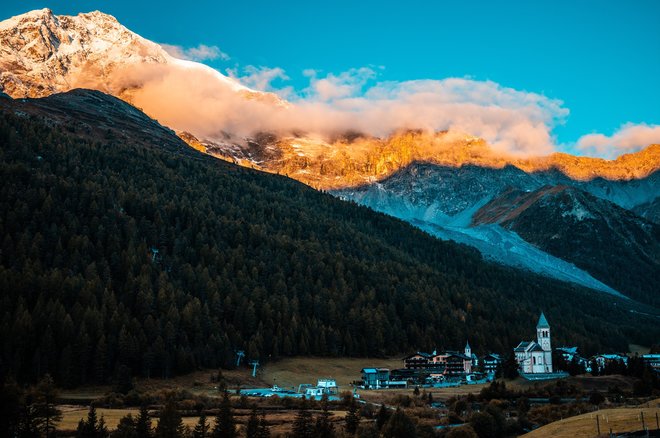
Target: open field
[
  {"x": 294, "y": 371},
  {"x": 279, "y": 421},
  {"x": 618, "y": 419},
  {"x": 198, "y": 383},
  {"x": 286, "y": 373},
  {"x": 71, "y": 415}
]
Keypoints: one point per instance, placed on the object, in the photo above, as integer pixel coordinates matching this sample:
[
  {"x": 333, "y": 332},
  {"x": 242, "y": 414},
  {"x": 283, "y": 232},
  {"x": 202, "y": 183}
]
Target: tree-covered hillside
[{"x": 120, "y": 248}]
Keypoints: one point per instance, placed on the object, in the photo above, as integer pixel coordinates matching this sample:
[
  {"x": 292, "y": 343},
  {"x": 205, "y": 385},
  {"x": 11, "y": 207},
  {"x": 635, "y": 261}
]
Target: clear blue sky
[{"x": 602, "y": 58}]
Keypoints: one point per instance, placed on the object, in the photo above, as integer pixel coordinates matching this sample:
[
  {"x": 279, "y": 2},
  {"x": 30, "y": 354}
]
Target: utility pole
[
  {"x": 643, "y": 423},
  {"x": 239, "y": 355},
  {"x": 598, "y": 424},
  {"x": 254, "y": 364}
]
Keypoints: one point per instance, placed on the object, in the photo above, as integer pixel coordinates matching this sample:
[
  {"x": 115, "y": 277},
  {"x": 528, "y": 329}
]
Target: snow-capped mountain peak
[{"x": 42, "y": 53}]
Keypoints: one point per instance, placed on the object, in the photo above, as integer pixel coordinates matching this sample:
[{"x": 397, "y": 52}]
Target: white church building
[{"x": 535, "y": 357}]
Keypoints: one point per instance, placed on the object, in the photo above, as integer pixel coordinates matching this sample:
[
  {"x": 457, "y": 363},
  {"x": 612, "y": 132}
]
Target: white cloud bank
[
  {"x": 198, "y": 101},
  {"x": 202, "y": 101},
  {"x": 200, "y": 53},
  {"x": 629, "y": 138}
]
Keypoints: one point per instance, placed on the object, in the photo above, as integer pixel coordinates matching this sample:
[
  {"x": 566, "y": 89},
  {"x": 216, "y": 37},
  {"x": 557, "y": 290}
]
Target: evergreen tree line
[
  {"x": 33, "y": 413},
  {"x": 121, "y": 257}
]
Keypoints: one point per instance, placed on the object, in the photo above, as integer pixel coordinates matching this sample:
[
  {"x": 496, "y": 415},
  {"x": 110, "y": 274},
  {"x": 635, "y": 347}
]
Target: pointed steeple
[
  {"x": 467, "y": 345},
  {"x": 543, "y": 323}
]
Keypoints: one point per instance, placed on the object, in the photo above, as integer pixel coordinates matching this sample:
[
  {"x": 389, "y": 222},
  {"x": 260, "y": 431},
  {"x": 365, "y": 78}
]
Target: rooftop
[{"x": 543, "y": 322}]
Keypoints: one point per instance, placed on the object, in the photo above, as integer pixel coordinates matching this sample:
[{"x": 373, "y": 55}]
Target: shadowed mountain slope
[
  {"x": 122, "y": 248},
  {"x": 594, "y": 234}
]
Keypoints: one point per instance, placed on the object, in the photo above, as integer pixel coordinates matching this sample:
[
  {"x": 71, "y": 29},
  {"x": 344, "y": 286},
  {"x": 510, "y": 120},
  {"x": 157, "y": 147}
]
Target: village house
[
  {"x": 419, "y": 360},
  {"x": 570, "y": 354},
  {"x": 490, "y": 363},
  {"x": 602, "y": 360},
  {"x": 450, "y": 363},
  {"x": 567, "y": 353},
  {"x": 375, "y": 378},
  {"x": 652, "y": 360},
  {"x": 457, "y": 364}
]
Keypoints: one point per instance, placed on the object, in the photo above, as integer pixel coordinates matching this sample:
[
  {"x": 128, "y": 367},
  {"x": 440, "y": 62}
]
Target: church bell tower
[{"x": 543, "y": 339}]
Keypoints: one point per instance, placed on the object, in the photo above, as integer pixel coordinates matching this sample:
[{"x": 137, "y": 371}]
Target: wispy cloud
[
  {"x": 342, "y": 85},
  {"x": 259, "y": 78},
  {"x": 200, "y": 53},
  {"x": 629, "y": 138}
]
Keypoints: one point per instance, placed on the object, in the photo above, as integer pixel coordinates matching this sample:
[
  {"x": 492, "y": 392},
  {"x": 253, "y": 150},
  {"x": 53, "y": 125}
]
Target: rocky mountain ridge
[{"x": 42, "y": 53}]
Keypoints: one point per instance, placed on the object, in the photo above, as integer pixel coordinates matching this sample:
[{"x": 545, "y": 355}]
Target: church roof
[
  {"x": 522, "y": 346},
  {"x": 536, "y": 347},
  {"x": 467, "y": 345},
  {"x": 528, "y": 347},
  {"x": 543, "y": 323}
]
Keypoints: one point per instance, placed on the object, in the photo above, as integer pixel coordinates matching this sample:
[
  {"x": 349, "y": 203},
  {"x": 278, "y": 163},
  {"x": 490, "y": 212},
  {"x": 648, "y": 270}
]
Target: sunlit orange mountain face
[
  {"x": 392, "y": 156},
  {"x": 43, "y": 54}
]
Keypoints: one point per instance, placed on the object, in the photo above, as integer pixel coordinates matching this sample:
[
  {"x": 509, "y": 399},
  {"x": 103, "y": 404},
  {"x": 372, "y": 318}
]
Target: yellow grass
[
  {"x": 294, "y": 371},
  {"x": 71, "y": 415},
  {"x": 618, "y": 419},
  {"x": 279, "y": 420}
]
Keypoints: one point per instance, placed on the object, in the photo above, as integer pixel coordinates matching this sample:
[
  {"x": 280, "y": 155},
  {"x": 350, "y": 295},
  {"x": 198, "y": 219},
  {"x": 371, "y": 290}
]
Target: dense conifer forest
[{"x": 121, "y": 255}]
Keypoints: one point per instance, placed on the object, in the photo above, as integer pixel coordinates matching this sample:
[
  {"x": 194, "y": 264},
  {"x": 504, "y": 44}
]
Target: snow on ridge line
[
  {"x": 101, "y": 34},
  {"x": 511, "y": 250},
  {"x": 492, "y": 241},
  {"x": 233, "y": 83}
]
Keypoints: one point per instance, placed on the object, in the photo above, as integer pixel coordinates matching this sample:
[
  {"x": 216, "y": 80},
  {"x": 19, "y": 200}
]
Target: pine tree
[
  {"x": 399, "y": 426},
  {"x": 324, "y": 428},
  {"x": 225, "y": 426},
  {"x": 201, "y": 428},
  {"x": 125, "y": 428},
  {"x": 352, "y": 418},
  {"x": 382, "y": 417},
  {"x": 87, "y": 428},
  {"x": 510, "y": 366},
  {"x": 45, "y": 410},
  {"x": 252, "y": 426},
  {"x": 302, "y": 425},
  {"x": 103, "y": 429},
  {"x": 28, "y": 424},
  {"x": 92, "y": 427},
  {"x": 143, "y": 423},
  {"x": 170, "y": 424}
]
